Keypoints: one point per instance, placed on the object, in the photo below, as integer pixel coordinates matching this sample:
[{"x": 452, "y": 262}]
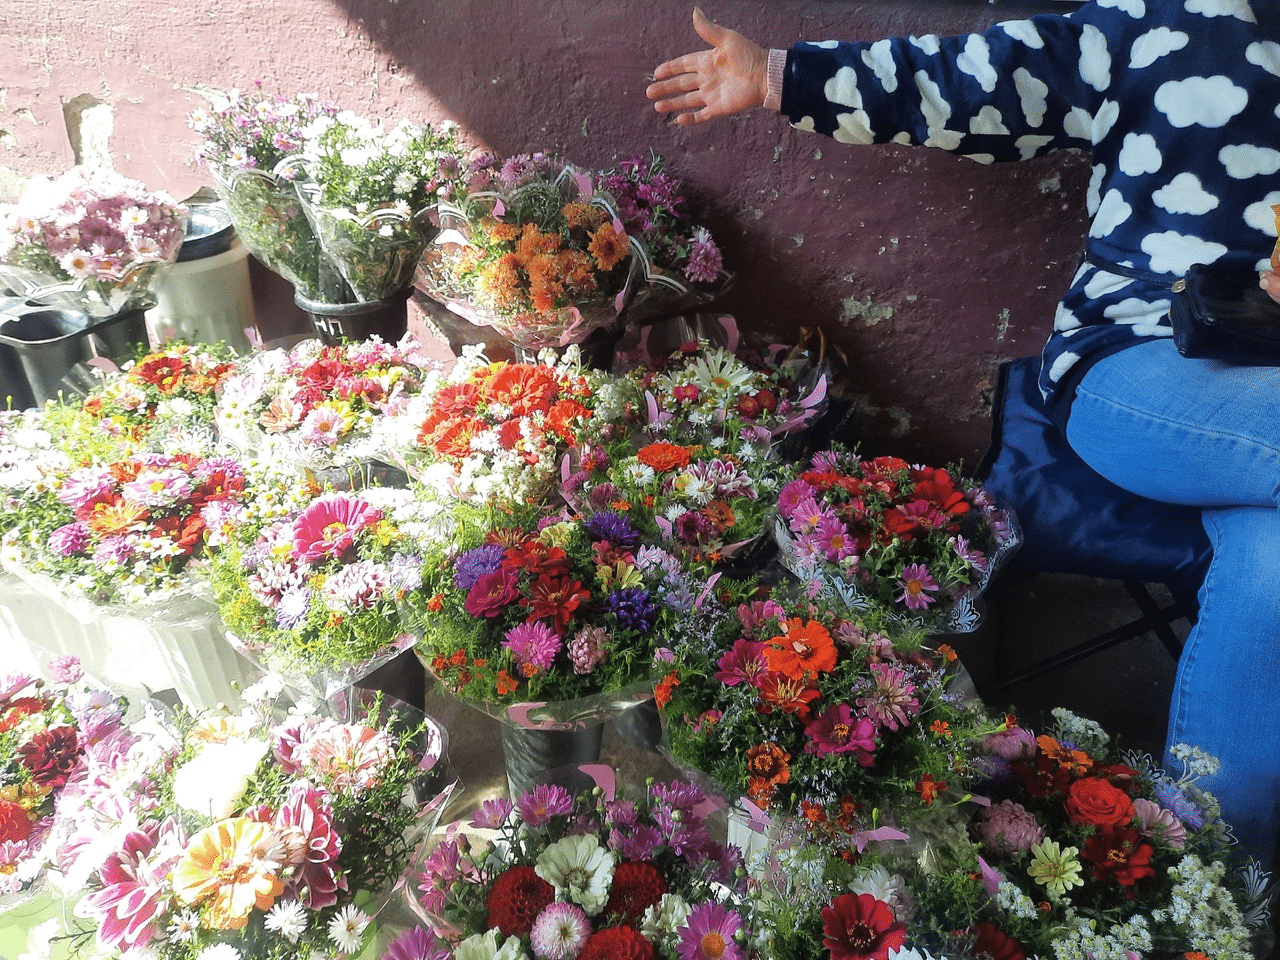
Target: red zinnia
[
  {"x": 990, "y": 941},
  {"x": 637, "y": 886},
  {"x": 15, "y": 825},
  {"x": 516, "y": 899},
  {"x": 1120, "y": 853},
  {"x": 857, "y": 926},
  {"x": 616, "y": 943},
  {"x": 50, "y": 756}
]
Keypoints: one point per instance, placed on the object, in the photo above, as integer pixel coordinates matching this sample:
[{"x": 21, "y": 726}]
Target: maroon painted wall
[{"x": 923, "y": 269}]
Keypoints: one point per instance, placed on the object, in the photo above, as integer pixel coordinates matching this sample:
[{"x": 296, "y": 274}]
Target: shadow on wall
[{"x": 925, "y": 269}]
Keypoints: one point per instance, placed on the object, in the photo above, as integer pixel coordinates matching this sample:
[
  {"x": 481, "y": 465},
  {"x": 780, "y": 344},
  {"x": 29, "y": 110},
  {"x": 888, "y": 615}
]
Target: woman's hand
[
  {"x": 730, "y": 77},
  {"x": 1270, "y": 282}
]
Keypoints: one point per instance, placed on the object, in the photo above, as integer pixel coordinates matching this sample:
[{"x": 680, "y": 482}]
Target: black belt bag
[{"x": 1220, "y": 313}]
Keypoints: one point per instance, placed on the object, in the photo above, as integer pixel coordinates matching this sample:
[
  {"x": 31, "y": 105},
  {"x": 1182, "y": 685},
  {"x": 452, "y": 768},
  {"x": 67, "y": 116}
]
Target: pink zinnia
[
  {"x": 917, "y": 583},
  {"x": 744, "y": 663},
  {"x": 492, "y": 592},
  {"x": 836, "y": 730},
  {"x": 329, "y": 527},
  {"x": 534, "y": 645},
  {"x": 708, "y": 933}
]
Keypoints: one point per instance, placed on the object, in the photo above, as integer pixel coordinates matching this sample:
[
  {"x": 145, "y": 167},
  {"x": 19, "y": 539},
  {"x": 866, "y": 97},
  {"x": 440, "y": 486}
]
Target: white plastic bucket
[{"x": 206, "y": 300}]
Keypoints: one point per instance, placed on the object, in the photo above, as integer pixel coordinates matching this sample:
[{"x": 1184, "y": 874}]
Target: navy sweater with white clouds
[{"x": 1176, "y": 101}]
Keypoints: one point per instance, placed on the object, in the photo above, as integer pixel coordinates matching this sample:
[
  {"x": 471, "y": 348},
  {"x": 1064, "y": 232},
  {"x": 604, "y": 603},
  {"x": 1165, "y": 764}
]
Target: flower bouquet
[
  {"x": 90, "y": 240},
  {"x": 920, "y": 541},
  {"x": 246, "y": 136},
  {"x": 495, "y": 433},
  {"x": 266, "y": 833},
  {"x": 46, "y": 730},
  {"x": 533, "y": 249},
  {"x": 368, "y": 192},
  {"x": 311, "y": 595},
  {"x": 683, "y": 266},
  {"x": 314, "y": 406},
  {"x": 842, "y": 722},
  {"x": 589, "y": 879}
]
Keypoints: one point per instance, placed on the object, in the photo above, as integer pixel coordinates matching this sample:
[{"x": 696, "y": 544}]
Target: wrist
[{"x": 776, "y": 64}]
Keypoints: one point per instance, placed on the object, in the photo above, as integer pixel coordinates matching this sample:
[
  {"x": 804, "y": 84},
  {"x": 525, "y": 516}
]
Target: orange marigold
[
  {"x": 662, "y": 692},
  {"x": 663, "y": 456},
  {"x": 608, "y": 246}
]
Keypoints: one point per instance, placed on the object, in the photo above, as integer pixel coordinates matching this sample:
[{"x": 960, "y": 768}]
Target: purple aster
[
  {"x": 791, "y": 494},
  {"x": 807, "y": 515},
  {"x": 617, "y": 529},
  {"x": 834, "y": 540},
  {"x": 621, "y": 813},
  {"x": 418, "y": 944},
  {"x": 474, "y": 564},
  {"x": 293, "y": 609},
  {"x": 1179, "y": 804},
  {"x": 534, "y": 645},
  {"x": 970, "y": 555},
  {"x": 708, "y": 933},
  {"x": 539, "y": 805},
  {"x": 917, "y": 584},
  {"x": 69, "y": 539},
  {"x": 490, "y": 814},
  {"x": 636, "y": 843},
  {"x": 635, "y": 608}
]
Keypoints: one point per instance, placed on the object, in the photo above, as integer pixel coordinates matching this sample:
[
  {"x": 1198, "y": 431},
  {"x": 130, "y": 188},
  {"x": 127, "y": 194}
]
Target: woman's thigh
[{"x": 1184, "y": 431}]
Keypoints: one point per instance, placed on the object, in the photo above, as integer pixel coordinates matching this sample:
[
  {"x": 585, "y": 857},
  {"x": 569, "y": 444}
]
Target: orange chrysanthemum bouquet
[{"x": 532, "y": 249}]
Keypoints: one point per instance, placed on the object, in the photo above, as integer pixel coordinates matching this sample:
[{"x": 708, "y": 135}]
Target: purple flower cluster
[
  {"x": 617, "y": 529},
  {"x": 635, "y": 608},
  {"x": 476, "y": 563}
]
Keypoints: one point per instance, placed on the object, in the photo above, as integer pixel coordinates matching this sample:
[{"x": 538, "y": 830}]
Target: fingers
[
  {"x": 689, "y": 101},
  {"x": 708, "y": 30},
  {"x": 663, "y": 89}
]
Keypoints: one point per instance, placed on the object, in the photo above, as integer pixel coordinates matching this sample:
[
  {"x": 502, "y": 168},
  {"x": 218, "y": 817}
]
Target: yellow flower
[
  {"x": 620, "y": 576},
  {"x": 1054, "y": 867},
  {"x": 557, "y": 534},
  {"x": 232, "y": 867}
]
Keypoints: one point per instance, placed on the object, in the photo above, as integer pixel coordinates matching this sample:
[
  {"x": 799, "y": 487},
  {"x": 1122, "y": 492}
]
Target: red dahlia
[
  {"x": 617, "y": 943},
  {"x": 50, "y": 756},
  {"x": 516, "y": 899},
  {"x": 15, "y": 825},
  {"x": 637, "y": 886}
]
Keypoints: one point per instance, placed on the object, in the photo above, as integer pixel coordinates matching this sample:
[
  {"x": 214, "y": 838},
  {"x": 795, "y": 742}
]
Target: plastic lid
[{"x": 209, "y": 232}]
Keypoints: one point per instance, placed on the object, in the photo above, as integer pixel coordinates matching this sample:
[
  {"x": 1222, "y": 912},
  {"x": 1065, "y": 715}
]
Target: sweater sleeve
[{"x": 1019, "y": 90}]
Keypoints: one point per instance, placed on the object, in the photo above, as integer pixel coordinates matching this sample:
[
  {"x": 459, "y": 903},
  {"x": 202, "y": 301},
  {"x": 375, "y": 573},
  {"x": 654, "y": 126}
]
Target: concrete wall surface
[{"x": 923, "y": 269}]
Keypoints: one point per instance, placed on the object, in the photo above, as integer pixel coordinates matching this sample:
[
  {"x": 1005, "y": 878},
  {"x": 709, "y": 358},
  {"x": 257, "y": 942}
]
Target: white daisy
[
  {"x": 346, "y": 928},
  {"x": 579, "y": 869},
  {"x": 288, "y": 918}
]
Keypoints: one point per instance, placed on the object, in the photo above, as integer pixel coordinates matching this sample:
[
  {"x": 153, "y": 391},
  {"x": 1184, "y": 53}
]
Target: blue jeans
[{"x": 1207, "y": 434}]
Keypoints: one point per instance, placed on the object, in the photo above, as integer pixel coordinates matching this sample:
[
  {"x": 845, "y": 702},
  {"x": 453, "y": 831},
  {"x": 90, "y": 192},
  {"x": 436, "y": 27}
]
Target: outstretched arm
[{"x": 730, "y": 77}]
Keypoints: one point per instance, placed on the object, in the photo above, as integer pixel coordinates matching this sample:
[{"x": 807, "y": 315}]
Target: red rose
[
  {"x": 15, "y": 825},
  {"x": 1097, "y": 803}
]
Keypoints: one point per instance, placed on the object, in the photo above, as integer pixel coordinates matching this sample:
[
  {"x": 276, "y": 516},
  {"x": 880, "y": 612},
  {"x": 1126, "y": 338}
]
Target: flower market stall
[{"x": 210, "y": 559}]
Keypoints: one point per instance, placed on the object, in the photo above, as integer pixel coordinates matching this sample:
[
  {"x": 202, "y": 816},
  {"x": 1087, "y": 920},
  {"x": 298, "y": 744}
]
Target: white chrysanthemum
[
  {"x": 212, "y": 781},
  {"x": 580, "y": 870},
  {"x": 287, "y": 918},
  {"x": 663, "y": 920},
  {"x": 347, "y": 926},
  {"x": 219, "y": 951},
  {"x": 889, "y": 887}
]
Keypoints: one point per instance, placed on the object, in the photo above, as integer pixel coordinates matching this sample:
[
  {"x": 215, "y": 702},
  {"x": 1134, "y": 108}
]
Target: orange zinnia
[
  {"x": 664, "y": 456},
  {"x": 804, "y": 648},
  {"x": 226, "y": 867},
  {"x": 110, "y": 519}
]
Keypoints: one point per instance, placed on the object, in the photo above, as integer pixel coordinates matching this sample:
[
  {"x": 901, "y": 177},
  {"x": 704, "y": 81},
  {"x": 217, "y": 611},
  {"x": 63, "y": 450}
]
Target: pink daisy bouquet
[
  {"x": 845, "y": 723},
  {"x": 127, "y": 531},
  {"x": 316, "y": 405},
  {"x": 90, "y": 239},
  {"x": 312, "y": 593},
  {"x": 49, "y": 729},
  {"x": 920, "y": 541},
  {"x": 544, "y": 620},
  {"x": 596, "y": 878},
  {"x": 276, "y": 831}
]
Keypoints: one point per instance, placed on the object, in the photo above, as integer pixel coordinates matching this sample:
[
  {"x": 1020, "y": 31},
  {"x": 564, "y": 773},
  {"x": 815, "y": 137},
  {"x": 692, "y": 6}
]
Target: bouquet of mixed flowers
[
  {"x": 683, "y": 265},
  {"x": 278, "y": 831},
  {"x": 843, "y": 722},
  {"x": 496, "y": 433},
  {"x": 312, "y": 594},
  {"x": 921, "y": 541},
  {"x": 246, "y": 136},
  {"x": 46, "y": 731},
  {"x": 693, "y": 466},
  {"x": 532, "y": 248},
  {"x": 368, "y": 191},
  {"x": 164, "y": 399},
  {"x": 126, "y": 531},
  {"x": 315, "y": 405},
  {"x": 592, "y": 879},
  {"x": 538, "y": 619},
  {"x": 89, "y": 239}
]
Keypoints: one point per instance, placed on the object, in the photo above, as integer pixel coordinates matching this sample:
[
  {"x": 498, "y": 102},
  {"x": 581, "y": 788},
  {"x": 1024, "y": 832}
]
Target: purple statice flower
[
  {"x": 417, "y": 944},
  {"x": 82, "y": 486},
  {"x": 917, "y": 586},
  {"x": 1172, "y": 798},
  {"x": 113, "y": 550},
  {"x": 293, "y": 609},
  {"x": 491, "y": 813},
  {"x": 539, "y": 805},
  {"x": 588, "y": 649},
  {"x": 636, "y": 843},
  {"x": 744, "y": 663},
  {"x": 635, "y": 608},
  {"x": 69, "y": 539},
  {"x": 406, "y": 571},
  {"x": 704, "y": 257},
  {"x": 474, "y": 564},
  {"x": 617, "y": 529},
  {"x": 534, "y": 645}
]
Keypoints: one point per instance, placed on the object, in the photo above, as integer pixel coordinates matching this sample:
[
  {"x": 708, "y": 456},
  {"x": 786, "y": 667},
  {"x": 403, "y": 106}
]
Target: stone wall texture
[{"x": 922, "y": 270}]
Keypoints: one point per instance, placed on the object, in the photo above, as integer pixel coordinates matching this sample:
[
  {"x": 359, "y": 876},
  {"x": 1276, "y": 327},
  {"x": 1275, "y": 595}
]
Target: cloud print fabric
[{"x": 1175, "y": 102}]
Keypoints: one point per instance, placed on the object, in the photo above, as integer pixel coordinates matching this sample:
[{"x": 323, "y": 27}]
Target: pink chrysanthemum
[
  {"x": 1009, "y": 828},
  {"x": 537, "y": 807},
  {"x": 890, "y": 701},
  {"x": 534, "y": 645},
  {"x": 708, "y": 933},
  {"x": 588, "y": 649},
  {"x": 559, "y": 932}
]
